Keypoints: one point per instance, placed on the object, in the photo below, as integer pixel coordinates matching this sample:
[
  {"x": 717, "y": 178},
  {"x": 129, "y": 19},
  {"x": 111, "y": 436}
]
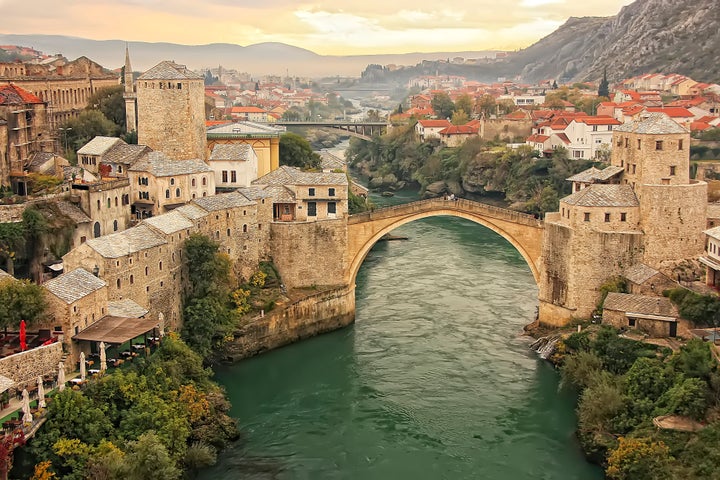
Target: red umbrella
[{"x": 23, "y": 343}]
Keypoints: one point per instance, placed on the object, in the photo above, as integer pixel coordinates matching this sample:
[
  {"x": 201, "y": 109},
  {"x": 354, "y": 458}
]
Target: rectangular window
[
  {"x": 332, "y": 207},
  {"x": 658, "y": 144},
  {"x": 331, "y": 192},
  {"x": 233, "y": 176},
  {"x": 638, "y": 143},
  {"x": 587, "y": 216},
  {"x": 633, "y": 168},
  {"x": 627, "y": 143},
  {"x": 680, "y": 144},
  {"x": 224, "y": 176},
  {"x": 594, "y": 129},
  {"x": 311, "y": 192},
  {"x": 672, "y": 170},
  {"x": 607, "y": 217},
  {"x": 623, "y": 216},
  {"x": 631, "y": 322},
  {"x": 312, "y": 209}
]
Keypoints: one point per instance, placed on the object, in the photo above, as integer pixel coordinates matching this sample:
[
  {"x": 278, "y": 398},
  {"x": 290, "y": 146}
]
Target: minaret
[{"x": 129, "y": 95}]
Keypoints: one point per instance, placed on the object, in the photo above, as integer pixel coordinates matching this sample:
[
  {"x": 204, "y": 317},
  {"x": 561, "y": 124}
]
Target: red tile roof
[
  {"x": 13, "y": 95},
  {"x": 673, "y": 112},
  {"x": 434, "y": 123},
  {"x": 599, "y": 120},
  {"x": 699, "y": 126},
  {"x": 458, "y": 130}
]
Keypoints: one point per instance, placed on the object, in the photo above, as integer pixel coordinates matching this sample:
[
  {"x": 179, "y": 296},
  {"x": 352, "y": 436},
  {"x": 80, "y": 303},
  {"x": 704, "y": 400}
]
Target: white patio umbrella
[
  {"x": 41, "y": 393},
  {"x": 27, "y": 416},
  {"x": 82, "y": 366},
  {"x": 103, "y": 357},
  {"x": 61, "y": 377}
]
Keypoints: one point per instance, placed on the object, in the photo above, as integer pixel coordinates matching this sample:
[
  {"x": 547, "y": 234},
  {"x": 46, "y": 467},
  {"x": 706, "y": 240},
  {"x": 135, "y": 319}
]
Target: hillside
[
  {"x": 258, "y": 59},
  {"x": 646, "y": 36}
]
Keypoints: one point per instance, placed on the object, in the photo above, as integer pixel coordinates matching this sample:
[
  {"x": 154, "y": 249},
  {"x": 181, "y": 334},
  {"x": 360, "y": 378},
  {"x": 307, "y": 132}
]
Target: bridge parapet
[{"x": 459, "y": 205}]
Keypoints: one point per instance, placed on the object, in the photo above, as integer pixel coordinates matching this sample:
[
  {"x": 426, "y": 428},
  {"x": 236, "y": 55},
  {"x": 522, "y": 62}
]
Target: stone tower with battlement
[
  {"x": 648, "y": 211},
  {"x": 129, "y": 95},
  {"x": 171, "y": 111}
]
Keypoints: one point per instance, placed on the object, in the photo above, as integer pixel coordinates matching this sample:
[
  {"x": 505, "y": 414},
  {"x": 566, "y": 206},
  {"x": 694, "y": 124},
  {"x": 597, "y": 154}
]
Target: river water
[{"x": 434, "y": 380}]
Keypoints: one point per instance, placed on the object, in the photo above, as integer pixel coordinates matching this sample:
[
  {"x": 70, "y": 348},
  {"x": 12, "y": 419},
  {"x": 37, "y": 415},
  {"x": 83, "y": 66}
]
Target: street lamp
[{"x": 65, "y": 132}]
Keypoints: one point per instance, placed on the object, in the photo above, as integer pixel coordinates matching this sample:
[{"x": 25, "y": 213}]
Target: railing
[{"x": 460, "y": 205}]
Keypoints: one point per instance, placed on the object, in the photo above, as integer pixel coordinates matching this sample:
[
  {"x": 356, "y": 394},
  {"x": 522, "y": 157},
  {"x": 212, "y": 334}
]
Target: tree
[
  {"x": 464, "y": 103},
  {"x": 443, "y": 105},
  {"x": 110, "y": 102},
  {"x": 639, "y": 459},
  {"x": 296, "y": 151},
  {"x": 88, "y": 125},
  {"x": 459, "y": 117},
  {"x": 487, "y": 105},
  {"x": 604, "y": 88},
  {"x": 694, "y": 359},
  {"x": 148, "y": 458},
  {"x": 20, "y": 300}
]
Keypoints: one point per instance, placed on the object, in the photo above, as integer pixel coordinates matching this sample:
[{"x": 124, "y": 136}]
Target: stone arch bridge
[{"x": 523, "y": 231}]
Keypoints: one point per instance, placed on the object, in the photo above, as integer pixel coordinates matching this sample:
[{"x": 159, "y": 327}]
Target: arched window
[
  {"x": 132, "y": 279},
  {"x": 118, "y": 283},
  {"x": 109, "y": 203},
  {"x": 116, "y": 201},
  {"x": 245, "y": 228},
  {"x": 193, "y": 182},
  {"x": 96, "y": 229},
  {"x": 160, "y": 265},
  {"x": 177, "y": 192},
  {"x": 172, "y": 181},
  {"x": 167, "y": 193},
  {"x": 146, "y": 271},
  {"x": 204, "y": 181},
  {"x": 98, "y": 204},
  {"x": 115, "y": 226}
]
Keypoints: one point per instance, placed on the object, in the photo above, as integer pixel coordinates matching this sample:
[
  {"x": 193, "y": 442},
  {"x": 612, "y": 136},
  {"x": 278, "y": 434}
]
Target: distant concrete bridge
[
  {"x": 362, "y": 129},
  {"x": 523, "y": 231}
]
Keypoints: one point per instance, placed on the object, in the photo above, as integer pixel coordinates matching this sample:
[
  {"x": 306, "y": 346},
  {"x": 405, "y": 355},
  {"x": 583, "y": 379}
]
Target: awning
[
  {"x": 710, "y": 263},
  {"x": 116, "y": 330},
  {"x": 648, "y": 316}
]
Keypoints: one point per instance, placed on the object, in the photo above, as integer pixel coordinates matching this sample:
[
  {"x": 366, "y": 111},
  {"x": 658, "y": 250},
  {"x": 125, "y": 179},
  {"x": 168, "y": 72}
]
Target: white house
[{"x": 235, "y": 165}]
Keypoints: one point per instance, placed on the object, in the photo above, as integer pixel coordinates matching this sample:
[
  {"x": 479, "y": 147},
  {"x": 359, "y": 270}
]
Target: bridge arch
[{"x": 524, "y": 232}]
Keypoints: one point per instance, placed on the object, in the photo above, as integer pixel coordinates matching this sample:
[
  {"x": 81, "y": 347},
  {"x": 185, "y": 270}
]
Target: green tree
[
  {"x": 110, "y": 102},
  {"x": 20, "y": 300},
  {"x": 148, "y": 458},
  {"x": 694, "y": 359},
  {"x": 581, "y": 369},
  {"x": 688, "y": 397},
  {"x": 639, "y": 459},
  {"x": 600, "y": 403},
  {"x": 12, "y": 238},
  {"x": 648, "y": 378},
  {"x": 85, "y": 127},
  {"x": 443, "y": 105},
  {"x": 604, "y": 88},
  {"x": 486, "y": 104},
  {"x": 465, "y": 104},
  {"x": 459, "y": 117},
  {"x": 296, "y": 151}
]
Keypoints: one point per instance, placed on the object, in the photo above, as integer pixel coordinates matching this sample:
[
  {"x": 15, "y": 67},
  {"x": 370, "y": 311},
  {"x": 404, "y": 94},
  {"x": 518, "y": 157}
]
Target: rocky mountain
[
  {"x": 646, "y": 36},
  {"x": 258, "y": 59}
]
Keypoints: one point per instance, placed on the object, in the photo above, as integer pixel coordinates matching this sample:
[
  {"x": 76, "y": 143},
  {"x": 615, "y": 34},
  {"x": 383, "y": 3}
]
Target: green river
[{"x": 434, "y": 380}]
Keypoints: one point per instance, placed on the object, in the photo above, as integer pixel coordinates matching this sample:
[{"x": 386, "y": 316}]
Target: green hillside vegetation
[
  {"x": 475, "y": 170},
  {"x": 623, "y": 385}
]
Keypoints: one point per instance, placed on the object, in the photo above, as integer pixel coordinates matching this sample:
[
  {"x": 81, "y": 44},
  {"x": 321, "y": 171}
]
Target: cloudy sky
[{"x": 323, "y": 26}]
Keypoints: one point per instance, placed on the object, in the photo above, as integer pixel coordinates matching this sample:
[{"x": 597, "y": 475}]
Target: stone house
[
  {"x": 162, "y": 184},
  {"x": 594, "y": 175},
  {"x": 235, "y": 165},
  {"x": 76, "y": 299},
  {"x": 711, "y": 257},
  {"x": 90, "y": 155},
  {"x": 426, "y": 129},
  {"x": 106, "y": 202},
  {"x": 264, "y": 140},
  {"x": 645, "y": 280},
  {"x": 654, "y": 315},
  {"x": 24, "y": 130},
  {"x": 306, "y": 196},
  {"x": 117, "y": 161},
  {"x": 456, "y": 135}
]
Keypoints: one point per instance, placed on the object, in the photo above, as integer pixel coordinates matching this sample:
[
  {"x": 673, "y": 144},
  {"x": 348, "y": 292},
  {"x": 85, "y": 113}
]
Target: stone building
[
  {"x": 106, "y": 202},
  {"x": 129, "y": 95},
  {"x": 306, "y": 196},
  {"x": 24, "y": 130},
  {"x": 171, "y": 111},
  {"x": 654, "y": 216},
  {"x": 89, "y": 156},
  {"x": 653, "y": 315},
  {"x": 64, "y": 86},
  {"x": 235, "y": 165},
  {"x": 161, "y": 184},
  {"x": 264, "y": 139}
]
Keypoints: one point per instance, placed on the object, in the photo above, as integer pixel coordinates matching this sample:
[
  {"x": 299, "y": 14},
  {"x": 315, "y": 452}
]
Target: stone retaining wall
[
  {"x": 26, "y": 366},
  {"x": 315, "y": 314}
]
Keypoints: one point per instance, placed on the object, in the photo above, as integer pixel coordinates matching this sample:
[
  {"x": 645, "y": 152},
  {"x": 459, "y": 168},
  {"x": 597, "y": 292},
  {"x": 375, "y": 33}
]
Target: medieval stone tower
[
  {"x": 129, "y": 95},
  {"x": 171, "y": 111},
  {"x": 644, "y": 208}
]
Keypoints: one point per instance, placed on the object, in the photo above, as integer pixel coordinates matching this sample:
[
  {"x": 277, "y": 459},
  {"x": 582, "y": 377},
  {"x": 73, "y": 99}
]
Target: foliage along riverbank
[
  {"x": 474, "y": 170},
  {"x": 159, "y": 418},
  {"x": 623, "y": 385}
]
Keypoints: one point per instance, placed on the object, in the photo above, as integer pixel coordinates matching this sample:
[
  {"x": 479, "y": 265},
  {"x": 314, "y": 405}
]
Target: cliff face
[{"x": 646, "y": 36}]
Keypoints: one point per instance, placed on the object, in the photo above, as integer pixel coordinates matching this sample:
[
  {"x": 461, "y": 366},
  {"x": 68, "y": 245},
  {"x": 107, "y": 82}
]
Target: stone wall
[
  {"x": 502, "y": 128},
  {"x": 319, "y": 313},
  {"x": 25, "y": 367},
  {"x": 309, "y": 254}
]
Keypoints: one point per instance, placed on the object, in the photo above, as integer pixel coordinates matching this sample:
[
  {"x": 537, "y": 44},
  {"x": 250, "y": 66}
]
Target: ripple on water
[{"x": 432, "y": 382}]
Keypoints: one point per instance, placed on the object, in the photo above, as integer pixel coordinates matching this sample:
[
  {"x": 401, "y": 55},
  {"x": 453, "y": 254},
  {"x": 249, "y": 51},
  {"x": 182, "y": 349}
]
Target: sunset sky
[{"x": 344, "y": 27}]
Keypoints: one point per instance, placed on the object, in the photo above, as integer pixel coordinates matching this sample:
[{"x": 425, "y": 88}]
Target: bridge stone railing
[{"x": 459, "y": 205}]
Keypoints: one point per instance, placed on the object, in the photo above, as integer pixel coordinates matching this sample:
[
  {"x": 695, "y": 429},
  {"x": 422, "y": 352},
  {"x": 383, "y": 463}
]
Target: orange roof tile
[
  {"x": 673, "y": 112},
  {"x": 11, "y": 94}
]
